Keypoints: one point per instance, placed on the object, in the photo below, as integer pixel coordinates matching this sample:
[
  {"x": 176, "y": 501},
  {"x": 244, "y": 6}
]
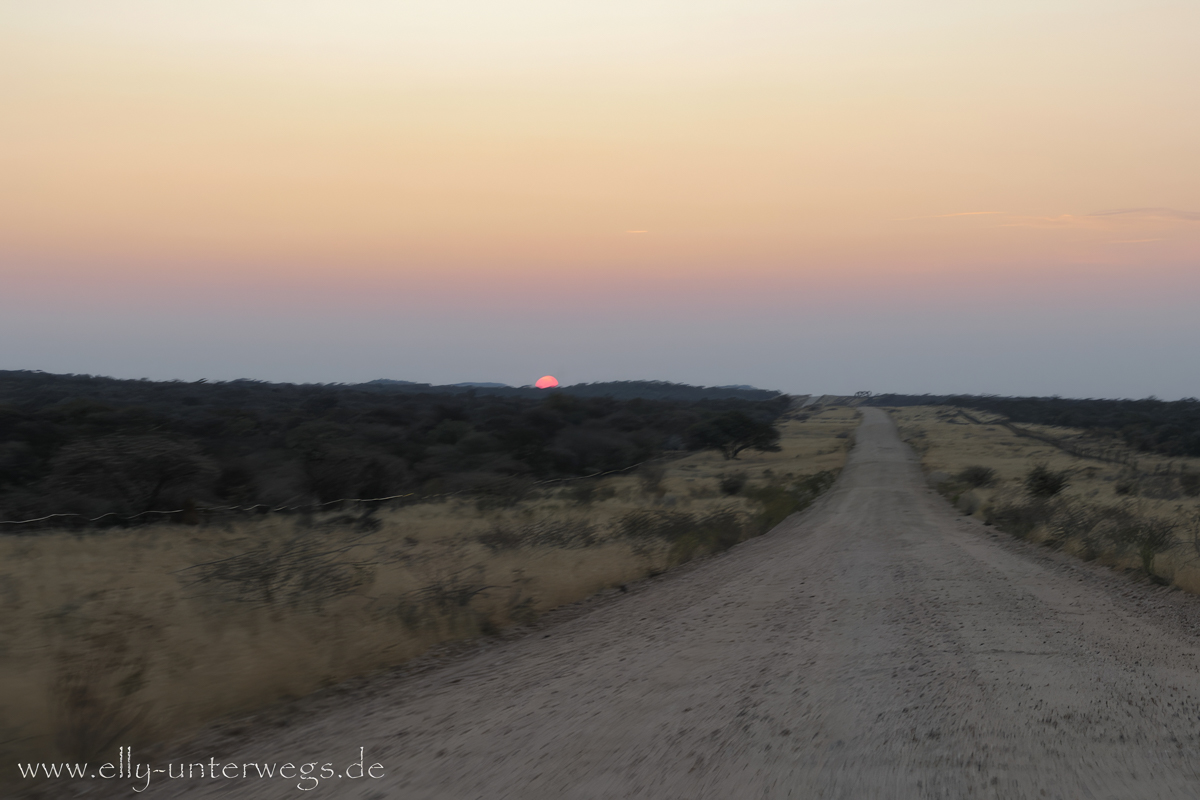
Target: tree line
[
  {"x": 91, "y": 445},
  {"x": 1169, "y": 427}
]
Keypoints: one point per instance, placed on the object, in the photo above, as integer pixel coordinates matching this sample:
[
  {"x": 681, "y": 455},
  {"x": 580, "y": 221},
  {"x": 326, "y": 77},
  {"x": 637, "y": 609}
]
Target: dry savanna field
[
  {"x": 143, "y": 635},
  {"x": 1088, "y": 494}
]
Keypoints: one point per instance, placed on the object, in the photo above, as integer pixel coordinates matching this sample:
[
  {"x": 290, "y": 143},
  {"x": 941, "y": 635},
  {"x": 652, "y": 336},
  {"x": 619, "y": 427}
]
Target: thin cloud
[
  {"x": 956, "y": 214},
  {"x": 1120, "y": 217},
  {"x": 1158, "y": 213},
  {"x": 1061, "y": 221}
]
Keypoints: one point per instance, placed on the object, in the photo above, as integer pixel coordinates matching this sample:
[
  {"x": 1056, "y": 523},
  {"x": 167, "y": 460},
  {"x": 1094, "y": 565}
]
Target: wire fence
[
  {"x": 261, "y": 508},
  {"x": 1112, "y": 453}
]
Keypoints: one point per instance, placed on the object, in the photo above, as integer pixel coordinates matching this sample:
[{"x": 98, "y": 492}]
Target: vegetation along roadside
[
  {"x": 142, "y": 633},
  {"x": 1097, "y": 497}
]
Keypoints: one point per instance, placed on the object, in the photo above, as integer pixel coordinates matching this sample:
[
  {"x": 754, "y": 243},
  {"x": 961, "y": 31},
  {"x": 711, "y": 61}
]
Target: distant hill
[
  {"x": 618, "y": 390},
  {"x": 466, "y": 384},
  {"x": 664, "y": 390}
]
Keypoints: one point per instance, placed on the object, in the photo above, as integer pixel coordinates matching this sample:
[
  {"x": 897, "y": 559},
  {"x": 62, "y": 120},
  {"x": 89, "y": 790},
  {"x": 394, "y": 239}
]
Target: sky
[{"x": 815, "y": 196}]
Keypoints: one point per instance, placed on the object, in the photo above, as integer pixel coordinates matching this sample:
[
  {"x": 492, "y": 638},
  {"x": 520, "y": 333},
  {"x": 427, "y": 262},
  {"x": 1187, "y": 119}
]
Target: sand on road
[{"x": 875, "y": 646}]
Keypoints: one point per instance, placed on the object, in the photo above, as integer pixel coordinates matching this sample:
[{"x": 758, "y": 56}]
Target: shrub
[
  {"x": 968, "y": 503},
  {"x": 1189, "y": 483},
  {"x": 780, "y": 501},
  {"x": 562, "y": 533},
  {"x": 1116, "y": 529},
  {"x": 447, "y": 595},
  {"x": 303, "y": 568},
  {"x": 977, "y": 476},
  {"x": 1071, "y": 521},
  {"x": 501, "y": 537},
  {"x": 666, "y": 525},
  {"x": 1043, "y": 482},
  {"x": 550, "y": 533},
  {"x": 1147, "y": 537},
  {"x": 650, "y": 476},
  {"x": 1159, "y": 487},
  {"x": 1019, "y": 519},
  {"x": 93, "y": 715},
  {"x": 732, "y": 483},
  {"x": 589, "y": 490},
  {"x": 687, "y": 533},
  {"x": 717, "y": 531}
]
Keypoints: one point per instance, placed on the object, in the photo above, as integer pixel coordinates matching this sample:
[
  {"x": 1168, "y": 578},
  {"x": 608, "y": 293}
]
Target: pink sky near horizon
[{"x": 464, "y": 161}]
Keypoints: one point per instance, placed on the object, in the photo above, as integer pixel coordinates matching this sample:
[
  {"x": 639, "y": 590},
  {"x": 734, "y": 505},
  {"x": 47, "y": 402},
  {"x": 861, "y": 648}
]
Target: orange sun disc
[{"x": 546, "y": 382}]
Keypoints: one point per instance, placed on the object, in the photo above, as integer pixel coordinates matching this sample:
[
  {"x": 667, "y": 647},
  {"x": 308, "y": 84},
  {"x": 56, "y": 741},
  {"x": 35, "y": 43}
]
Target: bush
[
  {"x": 968, "y": 503},
  {"x": 1189, "y": 483},
  {"x": 977, "y": 476},
  {"x": 1096, "y": 529},
  {"x": 302, "y": 568},
  {"x": 1042, "y": 482},
  {"x": 562, "y": 534},
  {"x": 686, "y": 533},
  {"x": 780, "y": 501},
  {"x": 721, "y": 529},
  {"x": 650, "y": 476},
  {"x": 589, "y": 490},
  {"x": 1019, "y": 519},
  {"x": 1072, "y": 521},
  {"x": 1147, "y": 538},
  {"x": 666, "y": 525},
  {"x": 732, "y": 483},
  {"x": 501, "y": 537}
]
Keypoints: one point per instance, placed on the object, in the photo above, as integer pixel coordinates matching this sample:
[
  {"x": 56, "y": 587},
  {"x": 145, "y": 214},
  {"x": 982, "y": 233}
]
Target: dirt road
[{"x": 877, "y": 646}]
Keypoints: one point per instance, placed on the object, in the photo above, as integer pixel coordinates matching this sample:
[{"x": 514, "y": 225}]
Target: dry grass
[
  {"x": 1135, "y": 514},
  {"x": 143, "y": 635}
]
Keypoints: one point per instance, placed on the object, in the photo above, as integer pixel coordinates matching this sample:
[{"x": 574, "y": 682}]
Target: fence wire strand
[{"x": 268, "y": 509}]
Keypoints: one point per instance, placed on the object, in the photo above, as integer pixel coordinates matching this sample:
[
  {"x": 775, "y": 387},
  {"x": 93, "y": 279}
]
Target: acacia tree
[
  {"x": 733, "y": 432},
  {"x": 133, "y": 471}
]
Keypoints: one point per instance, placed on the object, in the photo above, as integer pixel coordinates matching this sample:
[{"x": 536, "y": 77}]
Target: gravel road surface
[{"x": 876, "y": 646}]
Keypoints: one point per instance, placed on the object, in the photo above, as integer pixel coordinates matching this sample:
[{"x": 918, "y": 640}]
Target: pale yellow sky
[{"x": 537, "y": 131}]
